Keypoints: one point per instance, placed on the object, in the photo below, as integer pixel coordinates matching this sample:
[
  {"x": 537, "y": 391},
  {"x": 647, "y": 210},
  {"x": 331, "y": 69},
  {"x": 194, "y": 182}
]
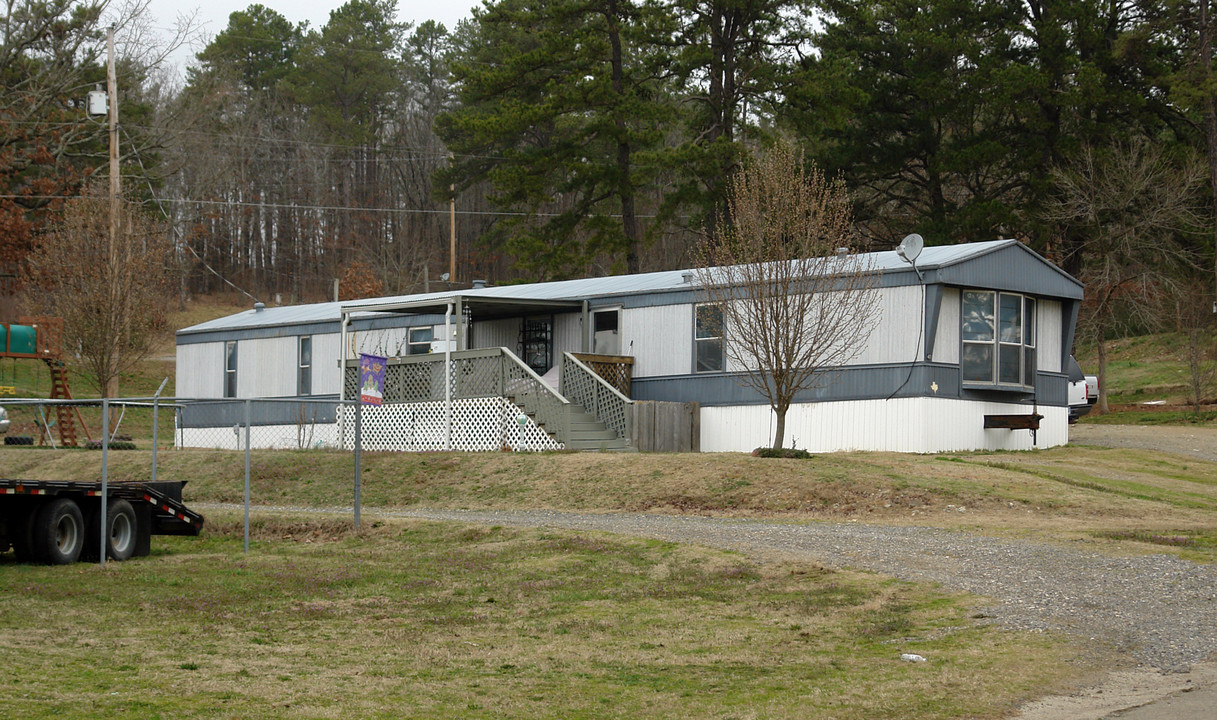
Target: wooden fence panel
[{"x": 667, "y": 426}]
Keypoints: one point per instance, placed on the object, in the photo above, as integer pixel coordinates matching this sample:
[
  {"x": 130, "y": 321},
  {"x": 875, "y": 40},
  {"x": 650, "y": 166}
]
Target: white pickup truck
[{"x": 1083, "y": 391}]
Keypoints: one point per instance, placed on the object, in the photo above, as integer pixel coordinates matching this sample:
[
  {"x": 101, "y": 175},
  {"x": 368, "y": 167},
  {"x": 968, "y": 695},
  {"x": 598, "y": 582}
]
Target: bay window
[{"x": 998, "y": 334}]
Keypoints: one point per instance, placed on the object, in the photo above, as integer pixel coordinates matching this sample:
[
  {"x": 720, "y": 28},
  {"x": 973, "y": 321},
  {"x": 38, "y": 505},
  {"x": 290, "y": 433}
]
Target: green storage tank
[{"x": 20, "y": 339}]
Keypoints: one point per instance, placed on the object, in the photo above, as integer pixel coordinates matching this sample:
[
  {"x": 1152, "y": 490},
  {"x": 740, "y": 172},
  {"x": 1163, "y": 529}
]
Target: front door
[{"x": 537, "y": 343}]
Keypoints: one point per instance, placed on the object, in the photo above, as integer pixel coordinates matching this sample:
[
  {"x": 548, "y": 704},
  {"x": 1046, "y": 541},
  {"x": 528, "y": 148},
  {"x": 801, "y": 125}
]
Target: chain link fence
[{"x": 177, "y": 425}]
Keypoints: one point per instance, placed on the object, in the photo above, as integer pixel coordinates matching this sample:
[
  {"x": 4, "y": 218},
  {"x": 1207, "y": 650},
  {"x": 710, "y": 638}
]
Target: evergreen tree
[
  {"x": 910, "y": 100},
  {"x": 556, "y": 106},
  {"x": 258, "y": 46},
  {"x": 729, "y": 58},
  {"x": 949, "y": 116}
]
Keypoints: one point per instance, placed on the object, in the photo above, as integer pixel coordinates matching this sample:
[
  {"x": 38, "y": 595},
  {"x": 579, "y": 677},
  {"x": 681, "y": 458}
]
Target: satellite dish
[
  {"x": 443, "y": 278},
  {"x": 910, "y": 247}
]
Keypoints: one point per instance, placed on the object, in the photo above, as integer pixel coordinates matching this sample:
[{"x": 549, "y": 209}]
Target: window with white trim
[
  {"x": 419, "y": 342},
  {"x": 230, "y": 369},
  {"x": 708, "y": 338},
  {"x": 304, "y": 366},
  {"x": 998, "y": 334}
]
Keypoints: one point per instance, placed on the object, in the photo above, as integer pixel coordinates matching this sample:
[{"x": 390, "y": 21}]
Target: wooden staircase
[
  {"x": 585, "y": 432},
  {"x": 588, "y": 433},
  {"x": 65, "y": 416}
]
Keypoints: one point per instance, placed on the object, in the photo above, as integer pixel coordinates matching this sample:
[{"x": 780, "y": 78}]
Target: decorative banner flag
[{"x": 371, "y": 379}]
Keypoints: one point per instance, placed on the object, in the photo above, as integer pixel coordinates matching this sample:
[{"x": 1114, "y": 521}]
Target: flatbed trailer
[{"x": 59, "y": 522}]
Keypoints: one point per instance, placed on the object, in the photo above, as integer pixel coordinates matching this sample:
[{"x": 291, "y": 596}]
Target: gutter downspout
[
  {"x": 342, "y": 375},
  {"x": 448, "y": 377}
]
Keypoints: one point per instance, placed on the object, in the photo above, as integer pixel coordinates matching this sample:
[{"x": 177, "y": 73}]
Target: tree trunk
[
  {"x": 1101, "y": 342},
  {"x": 779, "y": 434},
  {"x": 625, "y": 186},
  {"x": 1210, "y": 117}
]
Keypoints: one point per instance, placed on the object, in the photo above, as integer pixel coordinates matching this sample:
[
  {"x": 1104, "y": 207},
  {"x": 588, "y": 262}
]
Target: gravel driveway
[{"x": 1198, "y": 442}]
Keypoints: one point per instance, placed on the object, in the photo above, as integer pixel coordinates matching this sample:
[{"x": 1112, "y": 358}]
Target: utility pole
[
  {"x": 451, "y": 228},
  {"x": 115, "y": 198},
  {"x": 115, "y": 174},
  {"x": 452, "y": 233}
]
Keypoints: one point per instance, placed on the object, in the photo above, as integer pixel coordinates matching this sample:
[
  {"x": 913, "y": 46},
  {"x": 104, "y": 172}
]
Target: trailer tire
[
  {"x": 59, "y": 532},
  {"x": 122, "y": 531}
]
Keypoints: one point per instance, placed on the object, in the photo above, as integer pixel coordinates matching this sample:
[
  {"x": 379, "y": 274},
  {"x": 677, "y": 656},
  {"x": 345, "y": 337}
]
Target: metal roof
[{"x": 565, "y": 293}]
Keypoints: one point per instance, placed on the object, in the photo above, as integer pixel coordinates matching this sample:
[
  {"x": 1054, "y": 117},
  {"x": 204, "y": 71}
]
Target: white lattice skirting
[{"x": 478, "y": 424}]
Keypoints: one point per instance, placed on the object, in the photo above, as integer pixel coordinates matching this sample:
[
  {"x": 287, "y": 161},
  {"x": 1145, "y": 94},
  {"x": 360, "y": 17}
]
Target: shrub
[{"x": 782, "y": 453}]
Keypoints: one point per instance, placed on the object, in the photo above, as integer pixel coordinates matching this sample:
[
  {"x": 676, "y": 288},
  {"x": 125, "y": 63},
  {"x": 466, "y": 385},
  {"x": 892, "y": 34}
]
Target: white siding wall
[
  {"x": 200, "y": 370},
  {"x": 568, "y": 335},
  {"x": 497, "y": 333},
  {"x": 659, "y": 338},
  {"x": 266, "y": 367},
  {"x": 895, "y": 337},
  {"x": 946, "y": 343},
  {"x": 327, "y": 377},
  {"x": 1048, "y": 335},
  {"x": 922, "y": 425}
]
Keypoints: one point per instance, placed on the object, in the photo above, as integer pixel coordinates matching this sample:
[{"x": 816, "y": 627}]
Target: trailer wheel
[
  {"x": 121, "y": 531},
  {"x": 59, "y": 532}
]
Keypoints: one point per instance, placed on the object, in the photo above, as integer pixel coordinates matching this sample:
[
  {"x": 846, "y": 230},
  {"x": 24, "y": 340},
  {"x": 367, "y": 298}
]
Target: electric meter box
[{"x": 98, "y": 103}]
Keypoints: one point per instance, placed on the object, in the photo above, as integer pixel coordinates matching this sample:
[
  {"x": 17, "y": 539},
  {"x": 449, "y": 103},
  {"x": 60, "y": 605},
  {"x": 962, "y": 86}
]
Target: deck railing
[
  {"x": 525, "y": 388},
  {"x": 489, "y": 372},
  {"x": 617, "y": 370},
  {"x": 586, "y": 387}
]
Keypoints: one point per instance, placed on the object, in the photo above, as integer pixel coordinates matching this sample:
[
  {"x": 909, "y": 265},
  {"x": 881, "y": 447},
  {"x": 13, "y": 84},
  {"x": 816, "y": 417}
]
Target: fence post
[
  {"x": 358, "y": 456},
  {"x": 247, "y": 421},
  {"x": 155, "y": 409},
  {"x": 156, "y": 399},
  {"x": 105, "y": 476}
]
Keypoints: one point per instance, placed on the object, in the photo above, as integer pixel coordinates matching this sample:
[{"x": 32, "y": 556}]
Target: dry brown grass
[{"x": 1066, "y": 492}]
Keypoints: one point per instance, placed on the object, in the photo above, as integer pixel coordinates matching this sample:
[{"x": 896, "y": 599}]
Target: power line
[{"x": 338, "y": 208}]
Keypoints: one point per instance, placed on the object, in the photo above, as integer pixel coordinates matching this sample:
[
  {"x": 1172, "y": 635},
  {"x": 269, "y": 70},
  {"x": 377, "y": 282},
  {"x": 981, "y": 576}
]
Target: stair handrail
[
  {"x": 608, "y": 404},
  {"x": 551, "y": 408}
]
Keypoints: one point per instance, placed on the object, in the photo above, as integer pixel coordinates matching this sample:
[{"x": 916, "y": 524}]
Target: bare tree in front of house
[
  {"x": 790, "y": 308},
  {"x": 111, "y": 295}
]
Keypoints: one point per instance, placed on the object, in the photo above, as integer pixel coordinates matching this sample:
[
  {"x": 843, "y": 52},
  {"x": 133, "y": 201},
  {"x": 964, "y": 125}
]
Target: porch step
[
  {"x": 585, "y": 432},
  {"x": 615, "y": 445},
  {"x": 592, "y": 433}
]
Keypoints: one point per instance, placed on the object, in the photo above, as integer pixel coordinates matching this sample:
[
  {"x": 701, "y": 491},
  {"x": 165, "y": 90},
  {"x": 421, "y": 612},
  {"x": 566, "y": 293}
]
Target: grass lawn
[
  {"x": 410, "y": 619},
  {"x": 425, "y": 620}
]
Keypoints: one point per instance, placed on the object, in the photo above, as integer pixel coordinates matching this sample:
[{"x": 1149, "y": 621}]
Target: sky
[{"x": 212, "y": 16}]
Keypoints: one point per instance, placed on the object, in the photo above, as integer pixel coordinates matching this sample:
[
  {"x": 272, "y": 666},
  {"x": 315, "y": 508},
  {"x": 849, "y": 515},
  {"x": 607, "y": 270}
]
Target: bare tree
[
  {"x": 111, "y": 297},
  {"x": 1199, "y": 348},
  {"x": 790, "y": 307},
  {"x": 1129, "y": 204}
]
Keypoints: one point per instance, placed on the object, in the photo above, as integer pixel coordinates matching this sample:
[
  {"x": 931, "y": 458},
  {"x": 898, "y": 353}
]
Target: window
[
  {"x": 606, "y": 338},
  {"x": 230, "y": 369},
  {"x": 708, "y": 339},
  {"x": 419, "y": 342},
  {"x": 998, "y": 333},
  {"x": 304, "y": 369}
]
